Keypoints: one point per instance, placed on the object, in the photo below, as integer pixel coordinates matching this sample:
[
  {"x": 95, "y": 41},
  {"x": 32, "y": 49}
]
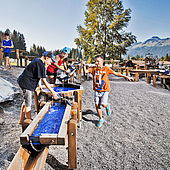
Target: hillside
[{"x": 155, "y": 45}]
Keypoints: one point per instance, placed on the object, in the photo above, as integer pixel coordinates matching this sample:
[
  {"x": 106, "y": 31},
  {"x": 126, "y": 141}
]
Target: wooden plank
[
  {"x": 72, "y": 144},
  {"x": 37, "y": 162},
  {"x": 63, "y": 128},
  {"x": 20, "y": 159},
  {"x": 28, "y": 161},
  {"x": 48, "y": 139},
  {"x": 30, "y": 129}
]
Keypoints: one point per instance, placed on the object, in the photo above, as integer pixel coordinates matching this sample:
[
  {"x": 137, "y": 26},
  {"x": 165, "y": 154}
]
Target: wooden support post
[
  {"x": 148, "y": 78},
  {"x": 20, "y": 59},
  {"x": 154, "y": 80},
  {"x": 74, "y": 111},
  {"x": 77, "y": 99},
  {"x": 127, "y": 71},
  {"x": 72, "y": 144},
  {"x": 26, "y": 61},
  {"x": 136, "y": 76},
  {"x": 17, "y": 56},
  {"x": 26, "y": 123}
]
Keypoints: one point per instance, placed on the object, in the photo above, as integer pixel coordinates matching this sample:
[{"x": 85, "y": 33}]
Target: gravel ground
[{"x": 134, "y": 136}]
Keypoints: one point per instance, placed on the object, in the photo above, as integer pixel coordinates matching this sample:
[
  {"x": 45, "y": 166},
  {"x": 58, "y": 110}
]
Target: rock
[
  {"x": 7, "y": 92},
  {"x": 1, "y": 121},
  {"x": 11, "y": 156}
]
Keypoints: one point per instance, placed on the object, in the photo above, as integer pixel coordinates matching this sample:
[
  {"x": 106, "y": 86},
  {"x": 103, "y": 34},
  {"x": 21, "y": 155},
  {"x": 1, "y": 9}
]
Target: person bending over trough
[
  {"x": 56, "y": 64},
  {"x": 29, "y": 79},
  {"x": 101, "y": 86}
]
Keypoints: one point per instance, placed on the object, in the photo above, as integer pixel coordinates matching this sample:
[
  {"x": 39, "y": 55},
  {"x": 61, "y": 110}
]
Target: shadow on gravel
[
  {"x": 89, "y": 112},
  {"x": 54, "y": 163}
]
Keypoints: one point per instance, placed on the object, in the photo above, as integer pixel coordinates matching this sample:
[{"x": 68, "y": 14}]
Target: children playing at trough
[
  {"x": 29, "y": 79},
  {"x": 101, "y": 86},
  {"x": 7, "y": 45},
  {"x": 56, "y": 64}
]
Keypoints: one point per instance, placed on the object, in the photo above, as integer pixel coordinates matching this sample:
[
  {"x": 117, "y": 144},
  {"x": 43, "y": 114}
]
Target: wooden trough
[
  {"x": 72, "y": 91},
  {"x": 39, "y": 135}
]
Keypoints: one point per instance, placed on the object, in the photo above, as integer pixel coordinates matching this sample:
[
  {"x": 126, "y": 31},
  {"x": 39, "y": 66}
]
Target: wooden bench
[{"x": 163, "y": 80}]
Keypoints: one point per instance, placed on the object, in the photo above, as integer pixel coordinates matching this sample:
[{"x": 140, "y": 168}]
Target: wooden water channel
[{"x": 34, "y": 146}]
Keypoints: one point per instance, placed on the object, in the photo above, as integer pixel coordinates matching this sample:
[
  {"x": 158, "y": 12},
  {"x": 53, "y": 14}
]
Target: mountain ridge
[{"x": 155, "y": 45}]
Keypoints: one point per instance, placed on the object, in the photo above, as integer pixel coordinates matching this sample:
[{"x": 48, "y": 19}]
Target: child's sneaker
[
  {"x": 108, "y": 110},
  {"x": 100, "y": 123}
]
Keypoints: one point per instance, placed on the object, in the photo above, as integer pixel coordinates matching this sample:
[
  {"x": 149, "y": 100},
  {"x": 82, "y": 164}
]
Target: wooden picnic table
[{"x": 149, "y": 74}]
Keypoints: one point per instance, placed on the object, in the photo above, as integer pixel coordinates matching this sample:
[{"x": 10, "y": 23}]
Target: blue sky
[{"x": 52, "y": 23}]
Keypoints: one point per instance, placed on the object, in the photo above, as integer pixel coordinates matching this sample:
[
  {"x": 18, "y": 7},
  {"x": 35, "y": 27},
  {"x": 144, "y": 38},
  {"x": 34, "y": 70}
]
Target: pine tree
[{"x": 103, "y": 32}]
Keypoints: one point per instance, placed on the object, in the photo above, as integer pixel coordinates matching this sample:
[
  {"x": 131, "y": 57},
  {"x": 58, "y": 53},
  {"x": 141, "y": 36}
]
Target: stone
[{"x": 7, "y": 90}]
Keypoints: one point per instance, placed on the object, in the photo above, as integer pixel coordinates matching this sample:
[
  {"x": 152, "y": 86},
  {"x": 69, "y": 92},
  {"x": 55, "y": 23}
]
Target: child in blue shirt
[{"x": 7, "y": 45}]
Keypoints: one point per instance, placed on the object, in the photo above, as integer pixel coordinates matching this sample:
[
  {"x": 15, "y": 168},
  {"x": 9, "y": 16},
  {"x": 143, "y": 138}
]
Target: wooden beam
[
  {"x": 72, "y": 144},
  {"x": 28, "y": 161}
]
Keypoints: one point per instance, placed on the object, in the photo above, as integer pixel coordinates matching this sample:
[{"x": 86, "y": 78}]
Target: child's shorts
[
  {"x": 101, "y": 97},
  {"x": 27, "y": 94},
  {"x": 6, "y": 55}
]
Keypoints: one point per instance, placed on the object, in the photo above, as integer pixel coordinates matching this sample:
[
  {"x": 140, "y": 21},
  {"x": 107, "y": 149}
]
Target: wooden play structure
[
  {"x": 56, "y": 119},
  {"x": 71, "y": 91},
  {"x": 35, "y": 140}
]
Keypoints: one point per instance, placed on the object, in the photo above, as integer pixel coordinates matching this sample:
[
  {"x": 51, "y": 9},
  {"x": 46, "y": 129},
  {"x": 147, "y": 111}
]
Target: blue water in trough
[
  {"x": 50, "y": 124},
  {"x": 60, "y": 89}
]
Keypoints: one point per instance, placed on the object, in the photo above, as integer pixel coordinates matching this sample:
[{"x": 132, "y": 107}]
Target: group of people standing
[{"x": 48, "y": 65}]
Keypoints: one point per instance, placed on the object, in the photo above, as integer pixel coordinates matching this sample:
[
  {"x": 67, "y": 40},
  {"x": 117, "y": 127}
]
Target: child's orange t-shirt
[{"x": 100, "y": 78}]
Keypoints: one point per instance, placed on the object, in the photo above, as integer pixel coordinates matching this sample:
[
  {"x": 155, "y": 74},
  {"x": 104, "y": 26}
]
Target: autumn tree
[
  {"x": 104, "y": 32},
  {"x": 167, "y": 58}
]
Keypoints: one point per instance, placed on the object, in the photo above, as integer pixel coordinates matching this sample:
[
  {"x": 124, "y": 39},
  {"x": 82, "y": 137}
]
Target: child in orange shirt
[{"x": 101, "y": 86}]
